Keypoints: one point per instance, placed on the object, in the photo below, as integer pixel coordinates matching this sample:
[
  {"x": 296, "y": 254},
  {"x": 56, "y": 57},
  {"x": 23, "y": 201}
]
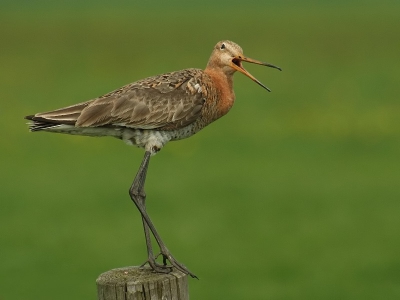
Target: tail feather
[{"x": 63, "y": 116}]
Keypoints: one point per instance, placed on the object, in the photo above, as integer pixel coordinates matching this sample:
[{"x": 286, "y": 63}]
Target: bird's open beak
[{"x": 237, "y": 65}]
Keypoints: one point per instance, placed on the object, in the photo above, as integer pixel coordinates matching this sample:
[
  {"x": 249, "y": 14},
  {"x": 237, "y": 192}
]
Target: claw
[
  {"x": 157, "y": 267},
  {"x": 178, "y": 265},
  {"x": 164, "y": 268}
]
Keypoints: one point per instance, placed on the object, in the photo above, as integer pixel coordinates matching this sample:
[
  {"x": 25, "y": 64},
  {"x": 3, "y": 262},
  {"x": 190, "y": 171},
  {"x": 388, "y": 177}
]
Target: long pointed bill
[{"x": 237, "y": 65}]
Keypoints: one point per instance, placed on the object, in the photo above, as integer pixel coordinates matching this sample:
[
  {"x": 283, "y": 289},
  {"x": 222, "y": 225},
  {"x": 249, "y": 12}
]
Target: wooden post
[{"x": 134, "y": 283}]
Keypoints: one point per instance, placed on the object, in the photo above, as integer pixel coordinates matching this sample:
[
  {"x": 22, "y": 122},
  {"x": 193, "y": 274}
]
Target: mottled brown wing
[{"x": 166, "y": 101}]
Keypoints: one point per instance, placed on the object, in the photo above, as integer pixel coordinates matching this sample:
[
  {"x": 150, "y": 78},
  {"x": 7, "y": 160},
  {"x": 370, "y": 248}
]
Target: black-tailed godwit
[{"x": 153, "y": 111}]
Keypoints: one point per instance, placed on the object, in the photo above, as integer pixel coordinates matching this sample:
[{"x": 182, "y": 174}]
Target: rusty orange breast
[{"x": 223, "y": 95}]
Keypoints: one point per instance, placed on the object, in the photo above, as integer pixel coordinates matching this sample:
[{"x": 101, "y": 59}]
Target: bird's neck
[{"x": 224, "y": 85}]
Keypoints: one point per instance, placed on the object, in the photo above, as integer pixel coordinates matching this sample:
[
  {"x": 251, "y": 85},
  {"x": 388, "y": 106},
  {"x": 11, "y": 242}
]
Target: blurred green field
[{"x": 294, "y": 194}]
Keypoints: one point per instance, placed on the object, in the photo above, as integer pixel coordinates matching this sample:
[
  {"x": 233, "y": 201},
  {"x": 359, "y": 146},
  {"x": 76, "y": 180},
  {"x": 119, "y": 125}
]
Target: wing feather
[{"x": 167, "y": 101}]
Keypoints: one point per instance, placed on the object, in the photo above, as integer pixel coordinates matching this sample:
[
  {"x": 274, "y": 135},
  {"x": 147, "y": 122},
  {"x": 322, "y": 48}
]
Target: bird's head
[{"x": 228, "y": 57}]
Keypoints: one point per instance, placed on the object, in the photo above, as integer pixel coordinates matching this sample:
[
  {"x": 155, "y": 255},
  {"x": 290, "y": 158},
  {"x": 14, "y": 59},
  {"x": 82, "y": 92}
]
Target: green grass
[{"x": 293, "y": 195}]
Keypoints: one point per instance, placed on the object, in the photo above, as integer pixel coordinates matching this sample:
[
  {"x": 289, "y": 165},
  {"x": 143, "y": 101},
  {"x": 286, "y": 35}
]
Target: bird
[{"x": 151, "y": 112}]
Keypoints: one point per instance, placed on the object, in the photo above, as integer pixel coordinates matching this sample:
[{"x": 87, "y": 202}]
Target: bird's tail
[{"x": 55, "y": 118}]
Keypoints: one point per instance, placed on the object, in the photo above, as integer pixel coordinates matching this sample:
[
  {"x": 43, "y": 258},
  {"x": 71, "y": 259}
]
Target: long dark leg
[
  {"x": 137, "y": 192},
  {"x": 151, "y": 260},
  {"x": 138, "y": 196}
]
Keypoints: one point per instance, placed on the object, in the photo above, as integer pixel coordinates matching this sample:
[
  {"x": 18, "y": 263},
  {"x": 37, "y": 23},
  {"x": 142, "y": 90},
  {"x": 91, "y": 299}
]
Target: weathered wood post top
[{"x": 141, "y": 283}]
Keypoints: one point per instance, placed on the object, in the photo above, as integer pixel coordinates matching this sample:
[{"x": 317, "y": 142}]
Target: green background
[{"x": 294, "y": 194}]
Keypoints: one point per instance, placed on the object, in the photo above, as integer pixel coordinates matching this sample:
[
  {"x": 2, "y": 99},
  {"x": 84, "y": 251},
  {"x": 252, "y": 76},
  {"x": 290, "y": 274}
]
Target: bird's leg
[
  {"x": 138, "y": 196},
  {"x": 151, "y": 260}
]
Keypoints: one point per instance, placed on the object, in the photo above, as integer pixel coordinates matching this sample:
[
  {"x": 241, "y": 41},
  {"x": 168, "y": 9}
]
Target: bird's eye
[{"x": 222, "y": 46}]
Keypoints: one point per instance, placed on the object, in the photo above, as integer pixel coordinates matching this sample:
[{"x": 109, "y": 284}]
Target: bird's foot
[
  {"x": 164, "y": 268},
  {"x": 174, "y": 263},
  {"x": 157, "y": 267}
]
